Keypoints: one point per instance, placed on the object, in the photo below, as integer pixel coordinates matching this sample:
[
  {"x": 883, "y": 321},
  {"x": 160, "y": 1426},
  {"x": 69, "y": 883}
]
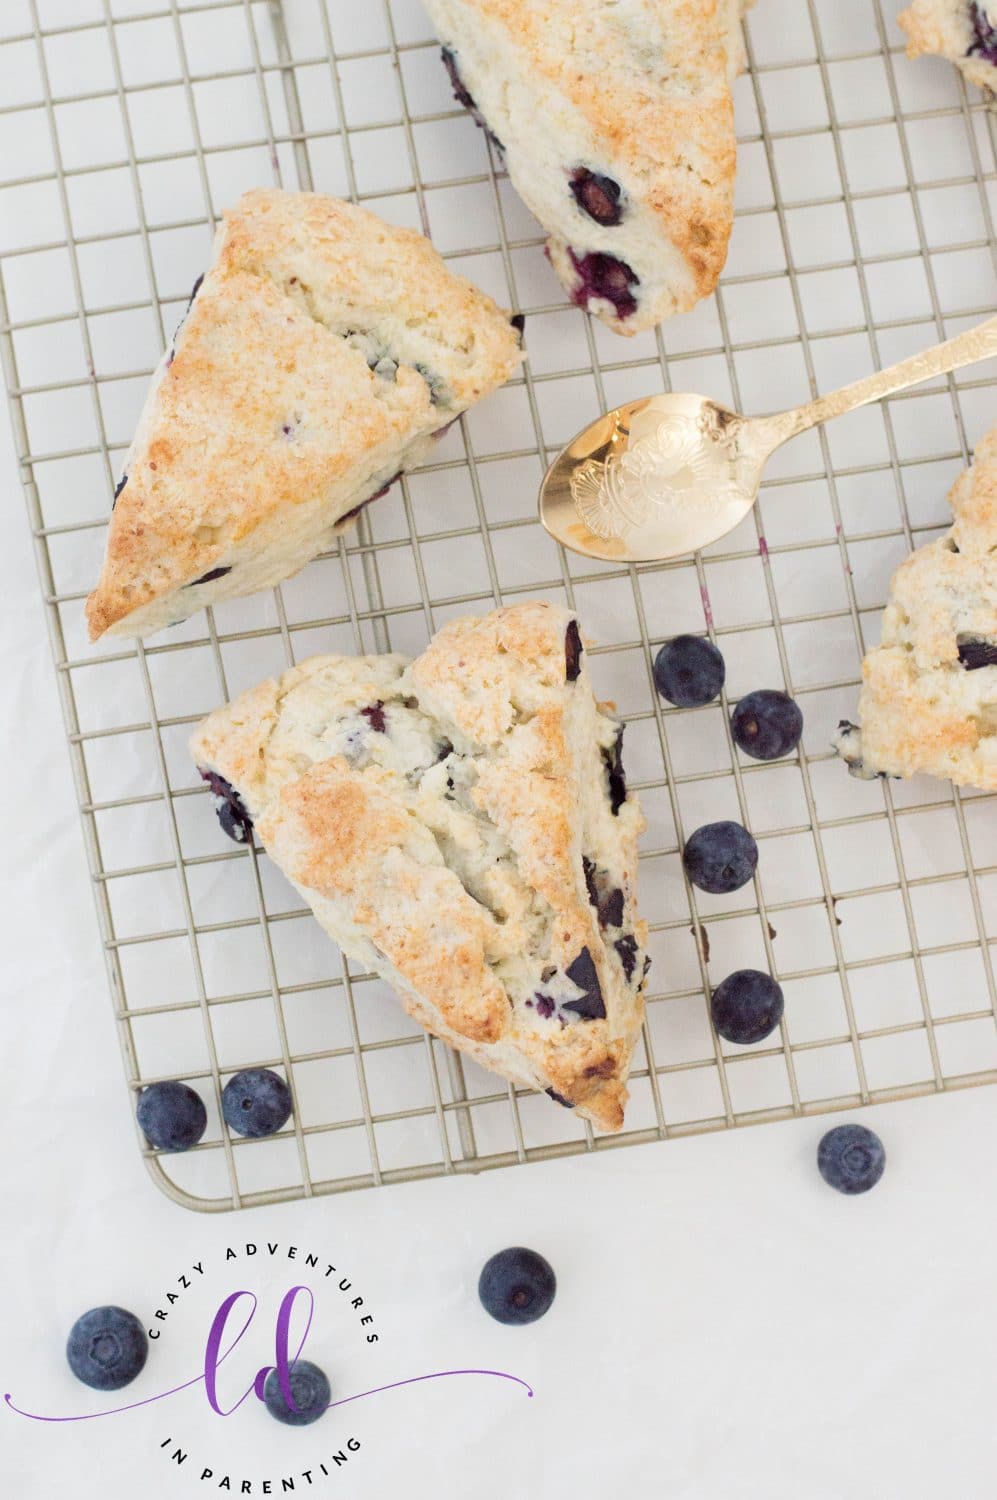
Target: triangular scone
[
  {"x": 617, "y": 129},
  {"x": 461, "y": 825},
  {"x": 320, "y": 355},
  {"x": 964, "y": 31},
  {"x": 929, "y": 694}
]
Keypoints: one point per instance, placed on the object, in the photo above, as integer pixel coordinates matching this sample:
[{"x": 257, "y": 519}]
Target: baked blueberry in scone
[
  {"x": 460, "y": 824},
  {"x": 616, "y": 125},
  {"x": 964, "y": 31},
  {"x": 320, "y": 354},
  {"x": 929, "y": 693}
]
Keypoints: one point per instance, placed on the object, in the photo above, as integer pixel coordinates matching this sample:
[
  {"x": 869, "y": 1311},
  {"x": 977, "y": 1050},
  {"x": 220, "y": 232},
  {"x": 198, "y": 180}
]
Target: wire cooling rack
[{"x": 864, "y": 232}]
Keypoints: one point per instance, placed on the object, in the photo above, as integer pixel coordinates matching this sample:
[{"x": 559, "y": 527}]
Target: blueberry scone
[
  {"x": 461, "y": 825},
  {"x": 964, "y": 31},
  {"x": 929, "y": 694},
  {"x": 319, "y": 356},
  {"x": 617, "y": 129}
]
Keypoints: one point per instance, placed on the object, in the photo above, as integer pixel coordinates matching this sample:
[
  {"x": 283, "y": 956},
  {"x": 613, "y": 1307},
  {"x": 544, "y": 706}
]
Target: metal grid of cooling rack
[{"x": 864, "y": 232}]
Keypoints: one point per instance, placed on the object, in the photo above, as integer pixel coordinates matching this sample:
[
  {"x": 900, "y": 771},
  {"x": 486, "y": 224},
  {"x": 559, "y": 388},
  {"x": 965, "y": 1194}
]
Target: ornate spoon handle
[{"x": 966, "y": 349}]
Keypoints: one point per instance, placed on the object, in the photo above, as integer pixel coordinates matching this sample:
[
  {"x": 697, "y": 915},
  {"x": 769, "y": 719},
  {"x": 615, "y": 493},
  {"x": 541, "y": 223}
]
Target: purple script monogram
[{"x": 215, "y": 1356}]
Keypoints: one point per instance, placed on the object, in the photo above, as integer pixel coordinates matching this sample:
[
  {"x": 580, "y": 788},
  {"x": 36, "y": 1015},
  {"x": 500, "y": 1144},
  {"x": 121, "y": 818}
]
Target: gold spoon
[{"x": 668, "y": 474}]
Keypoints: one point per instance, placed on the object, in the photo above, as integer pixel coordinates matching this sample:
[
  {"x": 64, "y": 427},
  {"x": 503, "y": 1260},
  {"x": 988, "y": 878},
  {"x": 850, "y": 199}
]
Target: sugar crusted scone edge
[
  {"x": 633, "y": 136},
  {"x": 919, "y": 708},
  {"x": 232, "y": 741},
  {"x": 160, "y": 542},
  {"x": 941, "y": 28}
]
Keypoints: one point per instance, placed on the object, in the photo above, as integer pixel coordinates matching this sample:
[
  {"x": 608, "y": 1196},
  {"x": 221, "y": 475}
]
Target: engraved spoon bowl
[{"x": 667, "y": 475}]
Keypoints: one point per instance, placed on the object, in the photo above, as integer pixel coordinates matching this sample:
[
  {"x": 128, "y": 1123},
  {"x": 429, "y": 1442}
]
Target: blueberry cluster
[
  {"x": 256, "y": 1102},
  {"x": 719, "y": 858}
]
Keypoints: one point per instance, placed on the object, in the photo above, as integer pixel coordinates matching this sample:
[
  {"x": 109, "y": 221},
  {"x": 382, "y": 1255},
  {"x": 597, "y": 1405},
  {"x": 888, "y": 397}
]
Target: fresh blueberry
[
  {"x": 310, "y": 1393},
  {"x": 689, "y": 671},
  {"x": 106, "y": 1348},
  {"x": 720, "y": 857},
  {"x": 229, "y": 809},
  {"x": 516, "y": 1285},
  {"x": 767, "y": 724},
  {"x": 172, "y": 1116},
  {"x": 975, "y": 653},
  {"x": 572, "y": 652},
  {"x": 746, "y": 1006},
  {"x": 851, "y": 1158},
  {"x": 984, "y": 42},
  {"x": 596, "y": 195},
  {"x": 256, "y": 1102}
]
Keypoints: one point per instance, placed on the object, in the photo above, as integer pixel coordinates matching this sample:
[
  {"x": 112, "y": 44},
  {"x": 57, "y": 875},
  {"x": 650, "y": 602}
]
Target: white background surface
[{"x": 725, "y": 1326}]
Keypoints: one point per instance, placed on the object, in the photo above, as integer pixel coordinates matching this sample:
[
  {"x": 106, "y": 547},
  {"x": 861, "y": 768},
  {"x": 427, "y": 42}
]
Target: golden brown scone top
[{"x": 269, "y": 421}]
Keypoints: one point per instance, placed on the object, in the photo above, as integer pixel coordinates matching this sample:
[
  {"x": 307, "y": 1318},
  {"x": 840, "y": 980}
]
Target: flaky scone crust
[
  {"x": 920, "y": 709},
  {"x": 943, "y": 28},
  {"x": 648, "y": 90},
  {"x": 266, "y": 426},
  {"x": 372, "y": 871}
]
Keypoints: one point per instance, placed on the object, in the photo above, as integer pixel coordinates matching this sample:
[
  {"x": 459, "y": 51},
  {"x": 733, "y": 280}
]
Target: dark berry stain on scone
[
  {"x": 558, "y": 1098},
  {"x": 605, "y": 278},
  {"x": 210, "y": 576},
  {"x": 611, "y": 909},
  {"x": 582, "y": 972},
  {"x": 374, "y": 714},
  {"x": 626, "y": 947},
  {"x": 186, "y": 313},
  {"x": 984, "y": 42},
  {"x": 351, "y": 515},
  {"x": 615, "y": 772},
  {"x": 596, "y": 195},
  {"x": 461, "y": 94},
  {"x": 518, "y": 321},
  {"x": 572, "y": 652},
  {"x": 118, "y": 488},
  {"x": 438, "y": 393},
  {"x": 606, "y": 898},
  {"x": 975, "y": 653},
  {"x": 229, "y": 807},
  {"x": 545, "y": 1005}
]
